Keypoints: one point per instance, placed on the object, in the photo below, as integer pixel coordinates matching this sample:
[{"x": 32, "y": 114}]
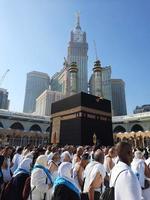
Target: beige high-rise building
[{"x": 44, "y": 101}]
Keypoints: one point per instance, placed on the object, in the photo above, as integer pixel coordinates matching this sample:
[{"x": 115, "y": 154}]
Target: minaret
[
  {"x": 77, "y": 52},
  {"x": 97, "y": 72},
  {"x": 73, "y": 78}
]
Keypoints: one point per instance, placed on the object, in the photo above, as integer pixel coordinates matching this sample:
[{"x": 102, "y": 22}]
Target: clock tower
[{"x": 77, "y": 52}]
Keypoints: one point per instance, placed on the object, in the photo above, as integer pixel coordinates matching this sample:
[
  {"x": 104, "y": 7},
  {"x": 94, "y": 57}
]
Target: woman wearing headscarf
[
  {"x": 41, "y": 180},
  {"x": 65, "y": 157},
  {"x": 64, "y": 187},
  {"x": 53, "y": 168},
  {"x": 53, "y": 165},
  {"x": 6, "y": 164},
  {"x": 141, "y": 170},
  {"x": 15, "y": 187}
]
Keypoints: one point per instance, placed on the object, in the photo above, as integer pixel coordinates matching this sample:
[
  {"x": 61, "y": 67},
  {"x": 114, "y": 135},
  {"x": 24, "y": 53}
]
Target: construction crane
[{"x": 3, "y": 77}]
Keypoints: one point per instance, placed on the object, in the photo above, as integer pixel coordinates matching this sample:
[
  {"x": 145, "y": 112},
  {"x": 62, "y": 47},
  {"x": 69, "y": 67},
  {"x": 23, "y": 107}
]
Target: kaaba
[{"x": 81, "y": 119}]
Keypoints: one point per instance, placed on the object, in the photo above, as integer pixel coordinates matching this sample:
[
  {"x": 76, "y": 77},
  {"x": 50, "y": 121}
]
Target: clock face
[{"x": 78, "y": 37}]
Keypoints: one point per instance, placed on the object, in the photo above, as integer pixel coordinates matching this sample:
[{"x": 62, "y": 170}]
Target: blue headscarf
[
  {"x": 65, "y": 177},
  {"x": 23, "y": 167},
  {"x": 67, "y": 183},
  {"x": 47, "y": 172}
]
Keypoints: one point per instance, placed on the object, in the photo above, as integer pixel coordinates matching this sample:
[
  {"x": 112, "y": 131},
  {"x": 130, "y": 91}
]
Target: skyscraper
[
  {"x": 4, "y": 102},
  {"x": 37, "y": 82},
  {"x": 77, "y": 52},
  {"x": 106, "y": 83},
  {"x": 118, "y": 97}
]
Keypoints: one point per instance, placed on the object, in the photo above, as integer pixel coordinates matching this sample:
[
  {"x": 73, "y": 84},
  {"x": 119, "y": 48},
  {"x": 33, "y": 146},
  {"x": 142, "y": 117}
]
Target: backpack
[
  {"x": 27, "y": 189},
  {"x": 109, "y": 193}
]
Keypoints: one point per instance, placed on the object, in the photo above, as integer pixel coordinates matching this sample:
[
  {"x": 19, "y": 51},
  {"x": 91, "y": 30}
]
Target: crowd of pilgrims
[{"x": 74, "y": 173}]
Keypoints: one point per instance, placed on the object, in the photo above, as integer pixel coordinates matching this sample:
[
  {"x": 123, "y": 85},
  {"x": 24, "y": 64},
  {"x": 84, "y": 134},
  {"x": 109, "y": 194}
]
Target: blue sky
[{"x": 34, "y": 35}]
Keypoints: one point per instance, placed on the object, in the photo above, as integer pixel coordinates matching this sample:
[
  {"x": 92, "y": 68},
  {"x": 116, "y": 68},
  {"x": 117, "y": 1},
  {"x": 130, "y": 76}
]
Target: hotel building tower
[
  {"x": 77, "y": 52},
  {"x": 36, "y": 84}
]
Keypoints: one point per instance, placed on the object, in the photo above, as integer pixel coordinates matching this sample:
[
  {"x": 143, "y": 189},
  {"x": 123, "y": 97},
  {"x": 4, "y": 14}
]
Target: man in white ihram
[{"x": 123, "y": 179}]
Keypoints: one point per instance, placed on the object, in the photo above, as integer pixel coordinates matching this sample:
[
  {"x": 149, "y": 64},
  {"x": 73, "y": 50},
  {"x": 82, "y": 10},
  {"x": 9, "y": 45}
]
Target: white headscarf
[
  {"x": 42, "y": 160},
  {"x": 25, "y": 165},
  {"x": 138, "y": 155},
  {"x": 64, "y": 155},
  {"x": 65, "y": 171},
  {"x": 138, "y": 167},
  {"x": 29, "y": 155}
]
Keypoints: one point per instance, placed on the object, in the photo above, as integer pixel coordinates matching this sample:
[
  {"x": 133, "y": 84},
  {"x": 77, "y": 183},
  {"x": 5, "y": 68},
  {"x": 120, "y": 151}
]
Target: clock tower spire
[{"x": 78, "y": 21}]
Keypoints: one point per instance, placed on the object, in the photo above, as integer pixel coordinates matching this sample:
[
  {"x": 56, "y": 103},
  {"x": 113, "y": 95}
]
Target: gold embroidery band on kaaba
[{"x": 80, "y": 111}]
